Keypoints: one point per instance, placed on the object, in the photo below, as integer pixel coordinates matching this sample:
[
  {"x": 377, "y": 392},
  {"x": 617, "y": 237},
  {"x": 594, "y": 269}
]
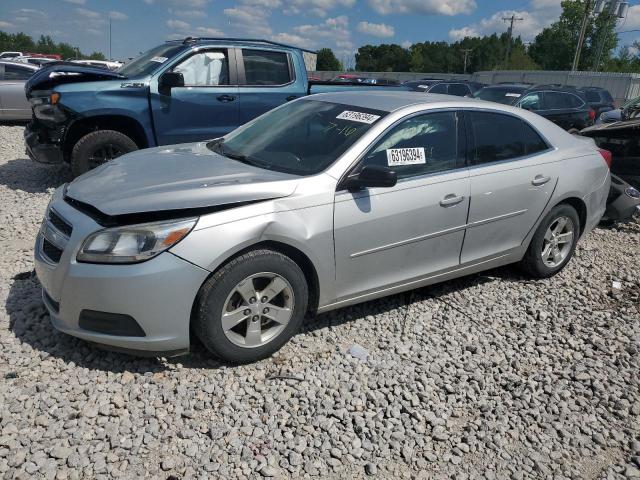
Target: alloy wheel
[
  {"x": 557, "y": 243},
  {"x": 257, "y": 309},
  {"x": 103, "y": 154}
]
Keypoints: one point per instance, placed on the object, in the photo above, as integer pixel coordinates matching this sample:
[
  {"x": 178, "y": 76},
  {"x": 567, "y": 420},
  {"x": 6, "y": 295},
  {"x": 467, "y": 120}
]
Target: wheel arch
[
  {"x": 579, "y": 206},
  {"x": 120, "y": 123},
  {"x": 297, "y": 255}
]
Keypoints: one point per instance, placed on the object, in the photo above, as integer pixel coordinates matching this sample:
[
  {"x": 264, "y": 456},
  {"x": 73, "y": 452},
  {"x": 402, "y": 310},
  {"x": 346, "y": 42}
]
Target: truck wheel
[{"x": 97, "y": 148}]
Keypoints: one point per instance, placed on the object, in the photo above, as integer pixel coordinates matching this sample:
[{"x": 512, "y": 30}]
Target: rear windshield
[
  {"x": 301, "y": 138},
  {"x": 507, "y": 96},
  {"x": 150, "y": 60}
]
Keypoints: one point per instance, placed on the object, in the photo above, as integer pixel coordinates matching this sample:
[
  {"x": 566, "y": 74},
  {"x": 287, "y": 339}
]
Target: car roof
[
  {"x": 508, "y": 85},
  {"x": 19, "y": 64},
  {"x": 389, "y": 101}
]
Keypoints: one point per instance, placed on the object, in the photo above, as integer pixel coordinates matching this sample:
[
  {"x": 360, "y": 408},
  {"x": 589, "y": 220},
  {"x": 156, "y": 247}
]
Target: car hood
[
  {"x": 67, "y": 72},
  {"x": 179, "y": 177}
]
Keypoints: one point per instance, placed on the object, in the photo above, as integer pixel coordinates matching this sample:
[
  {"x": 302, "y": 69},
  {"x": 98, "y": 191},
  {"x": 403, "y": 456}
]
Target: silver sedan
[
  {"x": 324, "y": 202},
  {"x": 13, "y": 101}
]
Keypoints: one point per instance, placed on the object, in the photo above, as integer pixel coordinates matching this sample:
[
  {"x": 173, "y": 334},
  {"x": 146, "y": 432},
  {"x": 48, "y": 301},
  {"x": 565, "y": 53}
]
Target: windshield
[
  {"x": 149, "y": 60},
  {"x": 506, "y": 96},
  {"x": 302, "y": 138}
]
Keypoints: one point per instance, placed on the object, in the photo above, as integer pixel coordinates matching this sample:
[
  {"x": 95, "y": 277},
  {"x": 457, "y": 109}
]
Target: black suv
[
  {"x": 599, "y": 99},
  {"x": 459, "y": 88},
  {"x": 567, "y": 107}
]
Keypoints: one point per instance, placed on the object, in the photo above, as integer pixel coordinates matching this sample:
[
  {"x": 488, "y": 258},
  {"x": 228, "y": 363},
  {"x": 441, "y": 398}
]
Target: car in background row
[
  {"x": 627, "y": 111},
  {"x": 324, "y": 202},
  {"x": 565, "y": 106},
  {"x": 623, "y": 203},
  {"x": 38, "y": 61},
  {"x": 458, "y": 88},
  {"x": 349, "y": 78},
  {"x": 599, "y": 99},
  {"x": 111, "y": 65},
  {"x": 13, "y": 101}
]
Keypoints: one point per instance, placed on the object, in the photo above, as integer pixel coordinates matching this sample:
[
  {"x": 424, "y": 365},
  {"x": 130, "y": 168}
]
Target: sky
[{"x": 342, "y": 25}]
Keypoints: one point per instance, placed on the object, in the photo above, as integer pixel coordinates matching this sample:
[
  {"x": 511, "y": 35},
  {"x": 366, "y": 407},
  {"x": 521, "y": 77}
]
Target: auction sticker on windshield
[
  {"x": 358, "y": 116},
  {"x": 159, "y": 59},
  {"x": 405, "y": 156}
]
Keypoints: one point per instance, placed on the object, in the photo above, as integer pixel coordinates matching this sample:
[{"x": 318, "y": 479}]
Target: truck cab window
[
  {"x": 205, "y": 69},
  {"x": 263, "y": 67}
]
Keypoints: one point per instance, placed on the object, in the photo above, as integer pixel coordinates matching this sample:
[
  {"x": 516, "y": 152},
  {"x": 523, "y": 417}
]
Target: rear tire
[
  {"x": 97, "y": 148},
  {"x": 250, "y": 333},
  {"x": 554, "y": 242}
]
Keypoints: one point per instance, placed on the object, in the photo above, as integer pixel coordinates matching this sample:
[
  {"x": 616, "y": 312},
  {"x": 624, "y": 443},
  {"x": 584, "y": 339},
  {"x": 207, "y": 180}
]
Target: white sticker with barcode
[
  {"x": 405, "y": 156},
  {"x": 159, "y": 59},
  {"x": 512, "y": 95},
  {"x": 361, "y": 117}
]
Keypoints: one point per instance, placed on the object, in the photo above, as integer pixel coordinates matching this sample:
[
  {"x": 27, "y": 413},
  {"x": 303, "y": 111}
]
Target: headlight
[{"x": 133, "y": 243}]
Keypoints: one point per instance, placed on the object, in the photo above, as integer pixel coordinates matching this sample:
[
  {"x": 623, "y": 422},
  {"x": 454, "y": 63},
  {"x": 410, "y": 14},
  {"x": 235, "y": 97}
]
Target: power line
[{"x": 512, "y": 19}]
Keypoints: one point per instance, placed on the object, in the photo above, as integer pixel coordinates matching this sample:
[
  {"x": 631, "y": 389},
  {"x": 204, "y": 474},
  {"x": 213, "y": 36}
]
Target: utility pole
[
  {"x": 466, "y": 52},
  {"x": 583, "y": 29},
  {"x": 110, "y": 37},
  {"x": 512, "y": 19}
]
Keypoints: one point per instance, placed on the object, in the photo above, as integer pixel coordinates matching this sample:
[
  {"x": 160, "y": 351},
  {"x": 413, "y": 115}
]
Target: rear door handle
[
  {"x": 226, "y": 98},
  {"x": 451, "y": 199},
  {"x": 540, "y": 180}
]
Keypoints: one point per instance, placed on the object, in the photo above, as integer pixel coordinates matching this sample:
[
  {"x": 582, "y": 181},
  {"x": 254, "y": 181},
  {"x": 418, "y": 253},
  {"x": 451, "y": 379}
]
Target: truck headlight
[{"x": 133, "y": 243}]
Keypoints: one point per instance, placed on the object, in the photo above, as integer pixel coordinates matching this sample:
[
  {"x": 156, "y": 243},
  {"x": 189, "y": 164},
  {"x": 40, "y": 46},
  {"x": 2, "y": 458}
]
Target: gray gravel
[{"x": 490, "y": 376}]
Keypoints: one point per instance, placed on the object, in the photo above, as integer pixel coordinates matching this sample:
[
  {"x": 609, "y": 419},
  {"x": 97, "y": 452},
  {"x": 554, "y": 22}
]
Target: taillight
[
  {"x": 592, "y": 114},
  {"x": 606, "y": 155}
]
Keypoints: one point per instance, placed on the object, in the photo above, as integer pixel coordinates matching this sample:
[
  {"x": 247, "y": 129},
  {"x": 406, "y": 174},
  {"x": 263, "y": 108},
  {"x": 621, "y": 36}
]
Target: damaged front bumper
[{"x": 44, "y": 144}]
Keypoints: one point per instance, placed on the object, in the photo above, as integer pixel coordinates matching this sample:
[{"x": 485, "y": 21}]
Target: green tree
[
  {"x": 383, "y": 58},
  {"x": 554, "y": 47},
  {"x": 21, "y": 42},
  {"x": 327, "y": 61}
]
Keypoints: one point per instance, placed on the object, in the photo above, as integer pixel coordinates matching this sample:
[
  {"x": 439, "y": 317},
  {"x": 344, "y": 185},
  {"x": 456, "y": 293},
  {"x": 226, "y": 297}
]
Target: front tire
[
  {"x": 554, "y": 242},
  {"x": 99, "y": 147},
  {"x": 251, "y": 307}
]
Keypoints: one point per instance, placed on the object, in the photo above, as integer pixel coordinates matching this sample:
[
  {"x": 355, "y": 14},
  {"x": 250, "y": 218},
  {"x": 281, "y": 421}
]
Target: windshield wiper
[{"x": 218, "y": 147}]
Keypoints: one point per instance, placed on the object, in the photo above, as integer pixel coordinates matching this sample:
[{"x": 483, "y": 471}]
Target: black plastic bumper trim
[{"x": 110, "y": 324}]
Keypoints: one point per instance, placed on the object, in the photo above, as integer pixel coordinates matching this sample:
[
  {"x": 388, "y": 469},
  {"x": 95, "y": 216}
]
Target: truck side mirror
[{"x": 170, "y": 80}]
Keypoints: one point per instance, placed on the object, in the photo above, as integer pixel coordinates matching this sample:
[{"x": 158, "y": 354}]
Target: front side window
[
  {"x": 500, "y": 137},
  {"x": 205, "y": 69},
  {"x": 417, "y": 146},
  {"x": 531, "y": 102},
  {"x": 15, "y": 72},
  {"x": 264, "y": 67},
  {"x": 302, "y": 138},
  {"x": 150, "y": 60},
  {"x": 439, "y": 88}
]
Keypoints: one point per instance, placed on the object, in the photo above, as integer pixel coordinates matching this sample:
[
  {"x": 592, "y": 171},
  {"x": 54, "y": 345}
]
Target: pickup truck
[{"x": 181, "y": 91}]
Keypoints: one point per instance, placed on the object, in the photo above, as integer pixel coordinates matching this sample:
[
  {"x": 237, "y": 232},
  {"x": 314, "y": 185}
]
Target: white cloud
[
  {"x": 263, "y": 3},
  {"x": 252, "y": 21},
  {"x": 177, "y": 24},
  {"x": 209, "y": 32},
  {"x": 76, "y": 2},
  {"x": 406, "y": 44},
  {"x": 426, "y": 7},
  {"x": 633, "y": 18},
  {"x": 188, "y": 13},
  {"x": 115, "y": 15},
  {"x": 292, "y": 39},
  {"x": 531, "y": 24},
  {"x": 4, "y": 24},
  {"x": 380, "y": 30},
  {"x": 83, "y": 12},
  {"x": 318, "y": 8}
]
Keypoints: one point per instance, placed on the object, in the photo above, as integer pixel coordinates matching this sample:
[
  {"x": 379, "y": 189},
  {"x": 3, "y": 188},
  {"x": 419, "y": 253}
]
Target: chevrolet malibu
[{"x": 324, "y": 202}]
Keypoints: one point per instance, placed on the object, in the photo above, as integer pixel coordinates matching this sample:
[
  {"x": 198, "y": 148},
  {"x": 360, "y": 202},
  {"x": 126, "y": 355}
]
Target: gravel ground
[{"x": 490, "y": 376}]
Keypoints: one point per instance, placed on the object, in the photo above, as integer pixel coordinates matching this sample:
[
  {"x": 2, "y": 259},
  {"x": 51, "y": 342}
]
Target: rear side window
[
  {"x": 560, "y": 100},
  {"x": 500, "y": 137},
  {"x": 592, "y": 96},
  {"x": 575, "y": 101},
  {"x": 263, "y": 67},
  {"x": 459, "y": 89},
  {"x": 14, "y": 72}
]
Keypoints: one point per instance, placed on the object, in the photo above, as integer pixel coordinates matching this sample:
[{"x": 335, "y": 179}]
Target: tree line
[
  {"x": 21, "y": 42},
  {"x": 552, "y": 49}
]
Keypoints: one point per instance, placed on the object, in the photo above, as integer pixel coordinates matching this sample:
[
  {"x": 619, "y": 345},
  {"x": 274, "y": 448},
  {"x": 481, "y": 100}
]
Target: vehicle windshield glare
[
  {"x": 506, "y": 96},
  {"x": 301, "y": 138},
  {"x": 149, "y": 60}
]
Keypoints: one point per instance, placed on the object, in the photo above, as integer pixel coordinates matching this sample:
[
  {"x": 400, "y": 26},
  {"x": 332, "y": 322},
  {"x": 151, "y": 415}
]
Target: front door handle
[
  {"x": 451, "y": 199},
  {"x": 226, "y": 98},
  {"x": 540, "y": 180},
  {"x": 291, "y": 97}
]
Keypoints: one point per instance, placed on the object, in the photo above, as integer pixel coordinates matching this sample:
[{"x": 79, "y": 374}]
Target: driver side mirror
[
  {"x": 371, "y": 176},
  {"x": 170, "y": 80}
]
